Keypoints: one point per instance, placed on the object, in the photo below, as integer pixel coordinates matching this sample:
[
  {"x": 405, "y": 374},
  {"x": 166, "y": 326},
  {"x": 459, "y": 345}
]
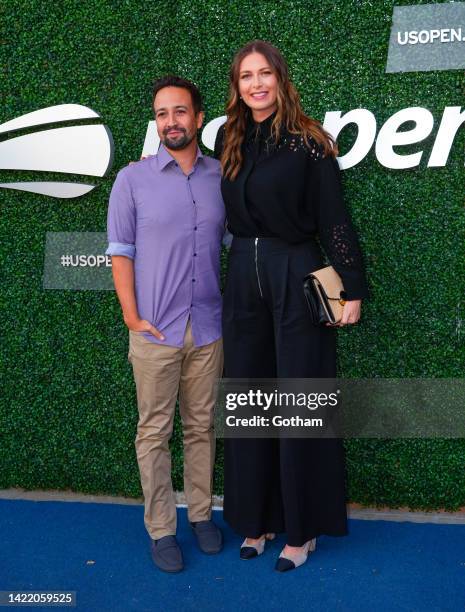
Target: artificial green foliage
[{"x": 68, "y": 411}]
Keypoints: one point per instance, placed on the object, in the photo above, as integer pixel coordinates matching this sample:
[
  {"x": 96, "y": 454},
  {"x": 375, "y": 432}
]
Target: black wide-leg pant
[{"x": 279, "y": 485}]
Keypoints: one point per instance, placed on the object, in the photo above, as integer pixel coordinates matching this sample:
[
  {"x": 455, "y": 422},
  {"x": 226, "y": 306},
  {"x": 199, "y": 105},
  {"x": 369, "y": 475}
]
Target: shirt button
[
  {"x": 195, "y": 228},
  {"x": 193, "y": 280},
  {"x": 188, "y": 178},
  {"x": 195, "y": 254},
  {"x": 193, "y": 201}
]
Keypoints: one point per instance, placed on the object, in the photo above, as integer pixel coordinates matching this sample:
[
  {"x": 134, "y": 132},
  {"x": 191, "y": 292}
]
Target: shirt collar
[
  {"x": 165, "y": 158},
  {"x": 262, "y": 129}
]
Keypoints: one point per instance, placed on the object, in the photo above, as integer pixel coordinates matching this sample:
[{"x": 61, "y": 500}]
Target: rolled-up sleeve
[{"x": 121, "y": 219}]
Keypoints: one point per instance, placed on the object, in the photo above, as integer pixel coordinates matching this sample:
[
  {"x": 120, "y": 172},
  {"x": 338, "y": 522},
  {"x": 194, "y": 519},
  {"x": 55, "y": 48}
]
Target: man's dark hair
[{"x": 175, "y": 81}]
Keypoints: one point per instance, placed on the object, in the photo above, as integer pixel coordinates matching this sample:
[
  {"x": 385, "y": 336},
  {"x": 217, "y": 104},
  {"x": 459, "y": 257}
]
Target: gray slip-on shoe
[
  {"x": 209, "y": 537},
  {"x": 167, "y": 555}
]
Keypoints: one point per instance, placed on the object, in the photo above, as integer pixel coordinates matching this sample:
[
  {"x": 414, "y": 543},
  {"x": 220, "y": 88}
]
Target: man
[{"x": 165, "y": 225}]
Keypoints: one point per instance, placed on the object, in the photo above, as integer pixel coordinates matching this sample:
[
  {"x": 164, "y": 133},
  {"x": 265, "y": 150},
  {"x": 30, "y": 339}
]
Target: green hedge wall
[{"x": 68, "y": 412}]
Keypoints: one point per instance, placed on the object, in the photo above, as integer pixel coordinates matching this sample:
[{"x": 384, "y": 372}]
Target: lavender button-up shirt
[{"x": 171, "y": 225}]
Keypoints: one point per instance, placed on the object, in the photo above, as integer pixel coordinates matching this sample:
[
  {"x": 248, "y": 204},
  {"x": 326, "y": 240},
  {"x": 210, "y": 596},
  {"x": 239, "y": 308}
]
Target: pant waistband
[{"x": 269, "y": 244}]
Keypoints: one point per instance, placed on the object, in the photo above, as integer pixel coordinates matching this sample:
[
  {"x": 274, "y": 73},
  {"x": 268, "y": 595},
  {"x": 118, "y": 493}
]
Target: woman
[{"x": 281, "y": 187}]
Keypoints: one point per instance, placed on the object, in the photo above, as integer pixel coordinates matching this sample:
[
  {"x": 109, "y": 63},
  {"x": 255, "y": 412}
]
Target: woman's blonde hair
[{"x": 289, "y": 110}]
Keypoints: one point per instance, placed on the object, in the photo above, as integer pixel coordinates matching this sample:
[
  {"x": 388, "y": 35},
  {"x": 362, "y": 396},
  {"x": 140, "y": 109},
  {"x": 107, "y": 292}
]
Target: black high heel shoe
[
  {"x": 284, "y": 564},
  {"x": 249, "y": 551}
]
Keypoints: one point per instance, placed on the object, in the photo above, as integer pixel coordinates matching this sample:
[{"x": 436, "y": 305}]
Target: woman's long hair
[{"x": 289, "y": 110}]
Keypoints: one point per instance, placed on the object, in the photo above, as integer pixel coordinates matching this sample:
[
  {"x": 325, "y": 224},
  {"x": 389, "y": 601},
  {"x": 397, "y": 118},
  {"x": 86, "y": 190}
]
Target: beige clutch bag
[{"x": 325, "y": 295}]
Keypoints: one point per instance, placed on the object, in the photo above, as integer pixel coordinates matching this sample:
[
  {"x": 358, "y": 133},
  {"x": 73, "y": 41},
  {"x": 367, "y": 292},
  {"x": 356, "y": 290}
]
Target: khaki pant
[{"x": 160, "y": 372}]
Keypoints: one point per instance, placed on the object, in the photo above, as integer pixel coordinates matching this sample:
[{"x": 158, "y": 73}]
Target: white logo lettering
[
  {"x": 389, "y": 135},
  {"x": 83, "y": 149},
  {"x": 444, "y": 35}
]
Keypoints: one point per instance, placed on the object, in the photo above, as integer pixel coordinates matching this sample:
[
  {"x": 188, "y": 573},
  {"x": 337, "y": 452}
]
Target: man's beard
[{"x": 179, "y": 143}]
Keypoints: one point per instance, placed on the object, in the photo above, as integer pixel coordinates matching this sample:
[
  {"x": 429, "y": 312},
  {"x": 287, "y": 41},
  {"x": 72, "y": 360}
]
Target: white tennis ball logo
[{"x": 80, "y": 149}]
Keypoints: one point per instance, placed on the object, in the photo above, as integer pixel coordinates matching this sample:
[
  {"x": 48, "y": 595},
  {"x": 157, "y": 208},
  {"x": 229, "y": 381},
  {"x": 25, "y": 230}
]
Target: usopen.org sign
[{"x": 427, "y": 37}]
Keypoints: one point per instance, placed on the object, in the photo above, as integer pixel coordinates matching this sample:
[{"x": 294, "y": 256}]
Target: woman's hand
[{"x": 350, "y": 313}]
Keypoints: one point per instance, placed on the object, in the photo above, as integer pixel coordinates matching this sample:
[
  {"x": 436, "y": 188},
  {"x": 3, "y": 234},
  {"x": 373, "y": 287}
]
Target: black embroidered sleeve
[{"x": 337, "y": 235}]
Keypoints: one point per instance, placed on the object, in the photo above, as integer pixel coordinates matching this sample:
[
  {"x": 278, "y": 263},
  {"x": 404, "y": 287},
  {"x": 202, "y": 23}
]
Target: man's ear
[{"x": 200, "y": 117}]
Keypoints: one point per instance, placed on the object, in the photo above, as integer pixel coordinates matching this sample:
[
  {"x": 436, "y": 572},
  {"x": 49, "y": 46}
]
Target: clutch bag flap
[{"x": 329, "y": 286}]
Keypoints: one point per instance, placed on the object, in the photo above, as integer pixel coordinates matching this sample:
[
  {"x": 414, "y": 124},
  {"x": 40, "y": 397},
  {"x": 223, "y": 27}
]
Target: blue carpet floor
[{"x": 102, "y": 552}]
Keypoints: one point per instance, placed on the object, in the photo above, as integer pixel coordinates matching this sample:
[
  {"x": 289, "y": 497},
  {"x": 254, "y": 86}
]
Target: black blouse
[{"x": 289, "y": 190}]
